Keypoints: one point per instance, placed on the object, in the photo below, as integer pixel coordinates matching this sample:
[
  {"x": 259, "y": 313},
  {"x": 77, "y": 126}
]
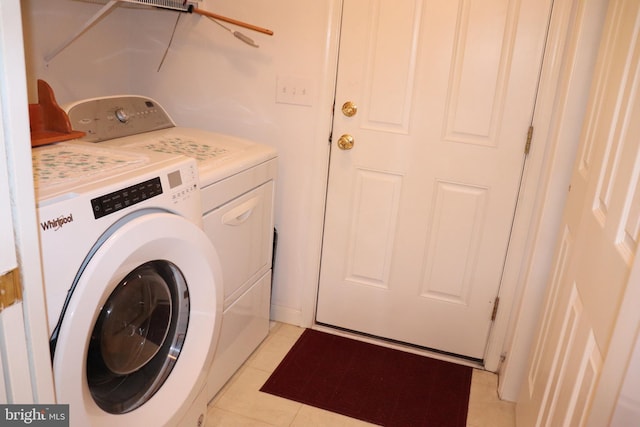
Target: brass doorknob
[
  {"x": 349, "y": 109},
  {"x": 346, "y": 142}
]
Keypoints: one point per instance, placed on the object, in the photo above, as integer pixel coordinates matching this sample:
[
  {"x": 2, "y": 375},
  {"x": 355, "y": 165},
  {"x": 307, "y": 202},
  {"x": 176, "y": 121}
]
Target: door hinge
[
  {"x": 495, "y": 308},
  {"x": 527, "y": 146},
  {"x": 10, "y": 288}
]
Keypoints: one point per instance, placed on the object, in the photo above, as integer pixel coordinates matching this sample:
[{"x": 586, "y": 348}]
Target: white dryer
[
  {"x": 237, "y": 185},
  {"x": 132, "y": 284}
]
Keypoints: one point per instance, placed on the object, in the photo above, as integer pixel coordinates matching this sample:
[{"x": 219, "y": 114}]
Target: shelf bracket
[{"x": 95, "y": 18}]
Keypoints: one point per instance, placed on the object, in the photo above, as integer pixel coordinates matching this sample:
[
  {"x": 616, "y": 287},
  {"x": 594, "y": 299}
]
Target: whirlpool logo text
[{"x": 57, "y": 223}]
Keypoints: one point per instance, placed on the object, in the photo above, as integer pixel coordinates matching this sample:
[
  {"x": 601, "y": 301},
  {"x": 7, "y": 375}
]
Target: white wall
[
  {"x": 213, "y": 81},
  {"x": 96, "y": 64}
]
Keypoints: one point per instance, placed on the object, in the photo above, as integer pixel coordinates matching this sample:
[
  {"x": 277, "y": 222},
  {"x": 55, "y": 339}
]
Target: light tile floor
[{"x": 241, "y": 404}]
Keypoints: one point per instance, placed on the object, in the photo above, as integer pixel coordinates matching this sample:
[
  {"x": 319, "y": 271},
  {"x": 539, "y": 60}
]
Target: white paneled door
[
  {"x": 601, "y": 228},
  {"x": 426, "y": 163}
]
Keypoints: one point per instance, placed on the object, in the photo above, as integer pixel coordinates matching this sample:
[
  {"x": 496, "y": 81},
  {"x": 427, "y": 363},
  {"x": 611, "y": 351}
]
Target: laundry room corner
[
  {"x": 211, "y": 80},
  {"x": 230, "y": 87}
]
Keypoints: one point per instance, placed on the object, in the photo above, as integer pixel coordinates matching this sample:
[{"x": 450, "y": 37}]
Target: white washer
[
  {"x": 132, "y": 284},
  {"x": 237, "y": 185}
]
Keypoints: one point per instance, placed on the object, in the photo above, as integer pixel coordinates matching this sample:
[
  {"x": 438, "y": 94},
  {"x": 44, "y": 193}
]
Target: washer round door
[{"x": 140, "y": 329}]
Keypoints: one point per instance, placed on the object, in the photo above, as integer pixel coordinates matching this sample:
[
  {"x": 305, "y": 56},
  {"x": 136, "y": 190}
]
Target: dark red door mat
[{"x": 372, "y": 383}]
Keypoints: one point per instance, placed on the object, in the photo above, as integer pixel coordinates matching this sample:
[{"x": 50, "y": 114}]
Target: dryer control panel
[{"x": 113, "y": 117}]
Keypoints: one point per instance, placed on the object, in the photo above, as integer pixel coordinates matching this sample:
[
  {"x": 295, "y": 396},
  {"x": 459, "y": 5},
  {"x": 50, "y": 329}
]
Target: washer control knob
[{"x": 122, "y": 115}]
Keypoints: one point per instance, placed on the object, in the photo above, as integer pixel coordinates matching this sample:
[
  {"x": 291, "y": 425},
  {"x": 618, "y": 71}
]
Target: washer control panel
[
  {"x": 177, "y": 185},
  {"x": 117, "y": 116},
  {"x": 125, "y": 197}
]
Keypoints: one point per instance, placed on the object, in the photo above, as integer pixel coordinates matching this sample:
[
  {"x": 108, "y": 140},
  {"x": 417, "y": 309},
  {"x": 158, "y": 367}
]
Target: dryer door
[{"x": 141, "y": 325}]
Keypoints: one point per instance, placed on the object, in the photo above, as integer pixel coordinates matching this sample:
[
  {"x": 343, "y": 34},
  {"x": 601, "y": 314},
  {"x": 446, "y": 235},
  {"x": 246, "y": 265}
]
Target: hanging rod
[
  {"x": 184, "y": 6},
  {"x": 188, "y": 7}
]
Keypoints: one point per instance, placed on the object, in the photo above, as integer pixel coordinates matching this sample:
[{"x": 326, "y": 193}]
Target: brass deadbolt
[{"x": 349, "y": 109}]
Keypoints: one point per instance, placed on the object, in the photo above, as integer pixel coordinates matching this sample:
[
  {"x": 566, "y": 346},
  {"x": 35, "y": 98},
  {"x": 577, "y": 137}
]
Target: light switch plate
[{"x": 294, "y": 90}]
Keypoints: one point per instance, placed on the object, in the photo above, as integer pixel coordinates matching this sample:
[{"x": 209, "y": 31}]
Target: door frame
[
  {"x": 16, "y": 150},
  {"x": 543, "y": 191},
  {"x": 535, "y": 222},
  {"x": 574, "y": 38}
]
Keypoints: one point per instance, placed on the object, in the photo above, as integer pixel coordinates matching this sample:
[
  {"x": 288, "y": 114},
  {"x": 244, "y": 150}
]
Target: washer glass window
[{"x": 138, "y": 337}]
